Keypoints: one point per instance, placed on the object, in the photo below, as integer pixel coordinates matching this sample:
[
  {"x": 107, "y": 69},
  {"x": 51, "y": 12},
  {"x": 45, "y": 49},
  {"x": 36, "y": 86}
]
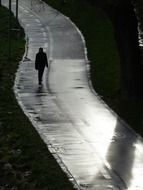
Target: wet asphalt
[{"x": 96, "y": 149}]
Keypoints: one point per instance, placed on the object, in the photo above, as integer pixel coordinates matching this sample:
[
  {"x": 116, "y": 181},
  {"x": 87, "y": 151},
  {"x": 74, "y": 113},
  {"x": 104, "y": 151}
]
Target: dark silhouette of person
[{"x": 40, "y": 63}]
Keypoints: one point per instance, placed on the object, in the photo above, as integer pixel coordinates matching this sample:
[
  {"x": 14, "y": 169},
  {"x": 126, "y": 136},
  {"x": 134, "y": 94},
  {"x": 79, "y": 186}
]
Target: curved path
[{"x": 92, "y": 145}]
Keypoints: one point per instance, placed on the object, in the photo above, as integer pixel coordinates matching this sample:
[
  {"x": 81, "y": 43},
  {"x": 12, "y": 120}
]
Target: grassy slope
[
  {"x": 25, "y": 163},
  {"x": 103, "y": 54}
]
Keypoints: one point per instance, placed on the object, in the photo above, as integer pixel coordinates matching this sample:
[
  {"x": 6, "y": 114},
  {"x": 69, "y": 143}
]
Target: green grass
[
  {"x": 25, "y": 163},
  {"x": 105, "y": 64}
]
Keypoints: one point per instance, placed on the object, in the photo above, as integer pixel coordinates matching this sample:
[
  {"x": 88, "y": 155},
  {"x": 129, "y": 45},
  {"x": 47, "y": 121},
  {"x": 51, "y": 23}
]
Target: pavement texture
[{"x": 96, "y": 149}]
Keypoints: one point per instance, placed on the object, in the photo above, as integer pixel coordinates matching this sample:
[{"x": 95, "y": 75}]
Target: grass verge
[
  {"x": 25, "y": 163},
  {"x": 104, "y": 59}
]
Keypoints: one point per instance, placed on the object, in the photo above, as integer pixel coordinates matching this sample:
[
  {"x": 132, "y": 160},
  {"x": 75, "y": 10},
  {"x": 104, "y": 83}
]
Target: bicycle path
[{"x": 96, "y": 149}]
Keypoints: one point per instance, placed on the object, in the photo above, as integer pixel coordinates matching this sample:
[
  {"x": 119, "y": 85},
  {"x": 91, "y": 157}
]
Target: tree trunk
[
  {"x": 0, "y": 3},
  {"x": 126, "y": 34}
]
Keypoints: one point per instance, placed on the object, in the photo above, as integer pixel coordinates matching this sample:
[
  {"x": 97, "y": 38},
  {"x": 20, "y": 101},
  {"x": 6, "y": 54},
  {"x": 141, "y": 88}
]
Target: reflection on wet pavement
[{"x": 96, "y": 149}]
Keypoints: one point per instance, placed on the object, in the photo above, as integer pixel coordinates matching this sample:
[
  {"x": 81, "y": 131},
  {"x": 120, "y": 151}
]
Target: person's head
[{"x": 40, "y": 49}]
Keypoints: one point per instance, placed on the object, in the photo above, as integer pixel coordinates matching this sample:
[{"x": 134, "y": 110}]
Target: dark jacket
[{"x": 41, "y": 61}]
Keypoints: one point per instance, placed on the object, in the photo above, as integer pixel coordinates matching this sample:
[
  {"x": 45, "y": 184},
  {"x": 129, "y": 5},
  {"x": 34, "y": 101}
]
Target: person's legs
[{"x": 40, "y": 75}]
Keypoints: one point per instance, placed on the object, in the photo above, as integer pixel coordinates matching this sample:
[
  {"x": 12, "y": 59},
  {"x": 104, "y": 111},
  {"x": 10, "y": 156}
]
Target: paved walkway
[{"x": 96, "y": 149}]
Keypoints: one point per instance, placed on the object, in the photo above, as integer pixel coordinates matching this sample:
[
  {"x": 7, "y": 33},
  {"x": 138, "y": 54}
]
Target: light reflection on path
[{"x": 89, "y": 141}]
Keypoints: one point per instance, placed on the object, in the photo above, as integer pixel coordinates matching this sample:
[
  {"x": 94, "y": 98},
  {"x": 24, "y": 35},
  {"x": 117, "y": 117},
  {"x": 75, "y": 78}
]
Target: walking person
[{"x": 40, "y": 63}]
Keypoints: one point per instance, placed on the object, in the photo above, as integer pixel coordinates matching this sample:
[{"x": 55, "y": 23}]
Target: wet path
[{"x": 96, "y": 149}]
